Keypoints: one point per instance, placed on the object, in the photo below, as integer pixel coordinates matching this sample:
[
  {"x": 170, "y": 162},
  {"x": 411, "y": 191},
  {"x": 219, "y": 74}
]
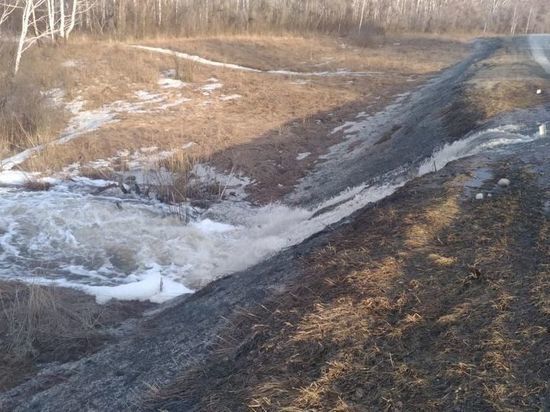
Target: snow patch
[
  {"x": 303, "y": 156},
  {"x": 167, "y": 83},
  {"x": 70, "y": 63},
  {"x": 201, "y": 60},
  {"x": 225, "y": 98},
  {"x": 209, "y": 88},
  {"x": 14, "y": 178},
  {"x": 151, "y": 286}
]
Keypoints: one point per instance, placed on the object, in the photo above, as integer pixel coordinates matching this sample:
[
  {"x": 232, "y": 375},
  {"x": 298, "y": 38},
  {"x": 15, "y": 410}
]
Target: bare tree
[
  {"x": 7, "y": 8},
  {"x": 141, "y": 18}
]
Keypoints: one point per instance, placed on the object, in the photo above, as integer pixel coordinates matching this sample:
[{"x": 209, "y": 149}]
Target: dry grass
[
  {"x": 184, "y": 69},
  {"x": 405, "y": 54},
  {"x": 41, "y": 324},
  {"x": 99, "y": 73},
  {"x": 494, "y": 98},
  {"x": 509, "y": 82},
  {"x": 182, "y": 184},
  {"x": 26, "y": 116},
  {"x": 426, "y": 303},
  {"x": 260, "y": 134}
]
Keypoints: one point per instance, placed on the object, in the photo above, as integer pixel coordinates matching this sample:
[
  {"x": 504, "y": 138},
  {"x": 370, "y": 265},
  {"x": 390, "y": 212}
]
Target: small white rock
[
  {"x": 479, "y": 196},
  {"x": 504, "y": 182},
  {"x": 539, "y": 91}
]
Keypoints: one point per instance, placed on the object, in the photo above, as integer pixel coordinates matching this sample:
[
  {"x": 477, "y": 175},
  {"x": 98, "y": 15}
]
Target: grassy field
[{"x": 256, "y": 124}]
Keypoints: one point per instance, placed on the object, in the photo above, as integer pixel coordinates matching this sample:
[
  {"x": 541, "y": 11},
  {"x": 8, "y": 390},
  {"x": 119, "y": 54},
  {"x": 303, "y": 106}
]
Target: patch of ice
[
  {"x": 225, "y": 98},
  {"x": 365, "y": 122},
  {"x": 146, "y": 96},
  {"x": 142, "y": 164},
  {"x": 167, "y": 83},
  {"x": 70, "y": 63},
  {"x": 188, "y": 145},
  {"x": 235, "y": 183},
  {"x": 14, "y": 178},
  {"x": 174, "y": 103},
  {"x": 56, "y": 96},
  {"x": 208, "y": 88},
  {"x": 150, "y": 286},
  {"x": 474, "y": 144},
  {"x": 86, "y": 181},
  {"x": 194, "y": 58},
  {"x": 149, "y": 149}
]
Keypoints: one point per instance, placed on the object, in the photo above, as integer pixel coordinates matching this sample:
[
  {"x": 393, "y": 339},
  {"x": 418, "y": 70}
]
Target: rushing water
[{"x": 125, "y": 249}]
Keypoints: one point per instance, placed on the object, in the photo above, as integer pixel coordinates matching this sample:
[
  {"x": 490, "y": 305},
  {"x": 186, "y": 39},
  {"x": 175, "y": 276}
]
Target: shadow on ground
[{"x": 428, "y": 301}]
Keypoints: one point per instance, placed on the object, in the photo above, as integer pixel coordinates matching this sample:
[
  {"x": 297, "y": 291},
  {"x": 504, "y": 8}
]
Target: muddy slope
[{"x": 402, "y": 135}]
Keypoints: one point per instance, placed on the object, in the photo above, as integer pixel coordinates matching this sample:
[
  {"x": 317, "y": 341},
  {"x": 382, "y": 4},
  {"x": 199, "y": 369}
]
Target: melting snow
[
  {"x": 201, "y": 60},
  {"x": 230, "y": 97},
  {"x": 208, "y": 88},
  {"x": 167, "y": 83},
  {"x": 70, "y": 63}
]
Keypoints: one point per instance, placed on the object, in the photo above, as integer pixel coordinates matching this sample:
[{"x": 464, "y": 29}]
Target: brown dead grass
[
  {"x": 26, "y": 117},
  {"x": 260, "y": 134},
  {"x": 41, "y": 324},
  {"x": 425, "y": 303},
  {"x": 509, "y": 81},
  {"x": 102, "y": 73},
  {"x": 405, "y": 54},
  {"x": 494, "y": 98}
]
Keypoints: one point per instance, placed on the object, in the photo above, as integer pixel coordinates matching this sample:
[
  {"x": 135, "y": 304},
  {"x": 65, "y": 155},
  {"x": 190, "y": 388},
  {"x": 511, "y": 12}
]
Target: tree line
[
  {"x": 34, "y": 20},
  {"x": 140, "y": 18}
]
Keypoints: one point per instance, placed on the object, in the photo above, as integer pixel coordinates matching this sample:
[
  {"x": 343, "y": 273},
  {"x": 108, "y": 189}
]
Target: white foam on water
[
  {"x": 128, "y": 250},
  {"x": 124, "y": 249},
  {"x": 474, "y": 144}
]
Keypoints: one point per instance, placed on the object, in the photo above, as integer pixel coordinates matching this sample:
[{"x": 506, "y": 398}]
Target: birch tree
[
  {"x": 7, "y": 9},
  {"x": 29, "y": 9}
]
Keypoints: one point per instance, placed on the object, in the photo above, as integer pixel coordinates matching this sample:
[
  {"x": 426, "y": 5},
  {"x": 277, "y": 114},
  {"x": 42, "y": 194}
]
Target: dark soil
[{"x": 427, "y": 302}]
